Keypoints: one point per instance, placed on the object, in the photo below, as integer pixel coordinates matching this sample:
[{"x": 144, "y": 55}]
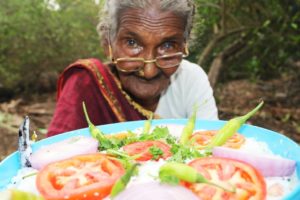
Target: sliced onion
[
  {"x": 78, "y": 145},
  {"x": 267, "y": 165},
  {"x": 154, "y": 190}
]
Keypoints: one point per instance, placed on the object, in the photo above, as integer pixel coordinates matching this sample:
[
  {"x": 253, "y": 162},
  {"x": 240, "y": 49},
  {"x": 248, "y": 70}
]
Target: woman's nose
[{"x": 150, "y": 68}]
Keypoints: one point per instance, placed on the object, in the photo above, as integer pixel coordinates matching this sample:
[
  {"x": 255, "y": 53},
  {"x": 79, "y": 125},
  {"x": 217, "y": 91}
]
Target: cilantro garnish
[
  {"x": 183, "y": 152},
  {"x": 156, "y": 152},
  {"x": 157, "y": 133},
  {"x": 109, "y": 143}
]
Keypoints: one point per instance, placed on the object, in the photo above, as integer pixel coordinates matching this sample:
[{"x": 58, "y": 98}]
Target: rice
[
  {"x": 148, "y": 171},
  {"x": 277, "y": 187},
  {"x": 25, "y": 180},
  {"x": 253, "y": 146}
]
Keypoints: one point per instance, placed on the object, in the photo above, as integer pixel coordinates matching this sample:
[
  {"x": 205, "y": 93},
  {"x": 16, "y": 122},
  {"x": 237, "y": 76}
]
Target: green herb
[
  {"x": 180, "y": 153},
  {"x": 104, "y": 142},
  {"x": 131, "y": 138},
  {"x": 171, "y": 139},
  {"x": 156, "y": 152},
  {"x": 157, "y": 133},
  {"x": 116, "y": 143}
]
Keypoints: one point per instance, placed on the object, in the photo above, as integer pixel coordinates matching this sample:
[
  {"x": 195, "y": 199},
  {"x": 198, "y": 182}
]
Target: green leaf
[
  {"x": 266, "y": 23},
  {"x": 156, "y": 152},
  {"x": 157, "y": 133},
  {"x": 294, "y": 26},
  {"x": 184, "y": 152}
]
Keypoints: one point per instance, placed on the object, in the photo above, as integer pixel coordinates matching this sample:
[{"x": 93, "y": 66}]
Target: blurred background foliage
[
  {"x": 247, "y": 39},
  {"x": 232, "y": 39},
  {"x": 38, "y": 41}
]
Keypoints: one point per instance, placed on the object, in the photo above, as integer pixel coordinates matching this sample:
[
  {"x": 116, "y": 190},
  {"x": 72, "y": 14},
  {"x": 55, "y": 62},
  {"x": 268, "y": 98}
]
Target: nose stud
[{"x": 141, "y": 73}]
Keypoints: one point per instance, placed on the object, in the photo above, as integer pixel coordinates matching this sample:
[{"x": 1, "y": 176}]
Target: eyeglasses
[{"x": 137, "y": 64}]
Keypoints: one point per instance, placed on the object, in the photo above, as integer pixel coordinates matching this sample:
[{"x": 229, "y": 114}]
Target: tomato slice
[
  {"x": 249, "y": 183},
  {"x": 202, "y": 138},
  {"x": 88, "y": 176},
  {"x": 143, "y": 149}
]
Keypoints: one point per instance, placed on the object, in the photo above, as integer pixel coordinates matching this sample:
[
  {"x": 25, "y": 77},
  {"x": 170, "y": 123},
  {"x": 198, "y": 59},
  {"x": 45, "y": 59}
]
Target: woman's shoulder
[
  {"x": 86, "y": 63},
  {"x": 189, "y": 71},
  {"x": 191, "y": 67}
]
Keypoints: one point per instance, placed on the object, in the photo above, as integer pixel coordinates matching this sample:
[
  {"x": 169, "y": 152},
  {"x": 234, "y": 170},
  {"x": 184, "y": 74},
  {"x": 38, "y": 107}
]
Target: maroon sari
[{"x": 90, "y": 81}]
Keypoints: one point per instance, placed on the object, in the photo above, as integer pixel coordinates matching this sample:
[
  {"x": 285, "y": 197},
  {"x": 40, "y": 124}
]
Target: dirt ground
[{"x": 280, "y": 113}]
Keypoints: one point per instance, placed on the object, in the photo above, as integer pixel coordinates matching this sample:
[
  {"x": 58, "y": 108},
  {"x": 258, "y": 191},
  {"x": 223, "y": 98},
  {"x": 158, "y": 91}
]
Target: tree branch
[
  {"x": 217, "y": 38},
  {"x": 218, "y": 63}
]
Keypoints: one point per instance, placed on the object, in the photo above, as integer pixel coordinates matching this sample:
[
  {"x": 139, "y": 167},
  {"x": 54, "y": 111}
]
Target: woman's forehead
[{"x": 151, "y": 21}]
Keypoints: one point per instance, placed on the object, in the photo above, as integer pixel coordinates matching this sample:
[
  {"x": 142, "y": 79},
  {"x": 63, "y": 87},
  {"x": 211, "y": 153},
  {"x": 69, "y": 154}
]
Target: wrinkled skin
[{"x": 147, "y": 34}]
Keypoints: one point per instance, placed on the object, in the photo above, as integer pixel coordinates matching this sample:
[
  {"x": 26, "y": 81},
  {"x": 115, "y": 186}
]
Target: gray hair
[{"x": 109, "y": 15}]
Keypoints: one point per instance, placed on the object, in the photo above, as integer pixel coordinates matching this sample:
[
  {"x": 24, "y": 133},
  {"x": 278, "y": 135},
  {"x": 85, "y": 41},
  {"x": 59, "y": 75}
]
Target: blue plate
[{"x": 278, "y": 143}]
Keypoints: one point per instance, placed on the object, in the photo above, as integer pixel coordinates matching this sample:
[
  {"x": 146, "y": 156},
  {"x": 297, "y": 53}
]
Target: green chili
[
  {"x": 147, "y": 125},
  {"x": 188, "y": 128},
  {"x": 173, "y": 170},
  {"x": 95, "y": 132},
  {"x": 18, "y": 194},
  {"x": 120, "y": 184},
  {"x": 231, "y": 127}
]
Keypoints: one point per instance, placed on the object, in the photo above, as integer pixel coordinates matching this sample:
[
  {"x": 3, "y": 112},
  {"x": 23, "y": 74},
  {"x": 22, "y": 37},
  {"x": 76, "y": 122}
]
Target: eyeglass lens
[{"x": 166, "y": 61}]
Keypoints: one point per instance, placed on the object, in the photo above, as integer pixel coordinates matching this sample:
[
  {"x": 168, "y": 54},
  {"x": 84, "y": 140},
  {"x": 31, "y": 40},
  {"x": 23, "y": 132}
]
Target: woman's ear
[
  {"x": 106, "y": 47},
  {"x": 186, "y": 49}
]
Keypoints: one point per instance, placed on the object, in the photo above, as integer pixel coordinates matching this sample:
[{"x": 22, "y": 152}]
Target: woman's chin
[{"x": 145, "y": 96}]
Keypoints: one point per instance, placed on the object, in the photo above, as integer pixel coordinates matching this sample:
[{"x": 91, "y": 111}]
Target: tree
[
  {"x": 36, "y": 39},
  {"x": 246, "y": 36}
]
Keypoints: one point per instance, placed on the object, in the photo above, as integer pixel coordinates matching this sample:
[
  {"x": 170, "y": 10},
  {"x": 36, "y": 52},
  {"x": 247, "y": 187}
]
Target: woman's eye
[
  {"x": 168, "y": 47},
  {"x": 132, "y": 43}
]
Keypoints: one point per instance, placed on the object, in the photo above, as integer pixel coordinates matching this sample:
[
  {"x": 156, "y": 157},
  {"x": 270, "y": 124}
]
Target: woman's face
[{"x": 147, "y": 34}]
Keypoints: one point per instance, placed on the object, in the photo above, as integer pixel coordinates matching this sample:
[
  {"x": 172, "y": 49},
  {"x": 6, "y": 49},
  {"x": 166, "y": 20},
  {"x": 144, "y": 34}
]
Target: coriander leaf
[
  {"x": 105, "y": 143},
  {"x": 156, "y": 152},
  {"x": 157, "y": 133},
  {"x": 183, "y": 152},
  {"x": 132, "y": 137},
  {"x": 171, "y": 140}
]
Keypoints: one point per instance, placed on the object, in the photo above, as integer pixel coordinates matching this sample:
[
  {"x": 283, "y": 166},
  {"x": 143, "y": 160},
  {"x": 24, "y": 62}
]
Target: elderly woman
[{"x": 146, "y": 42}]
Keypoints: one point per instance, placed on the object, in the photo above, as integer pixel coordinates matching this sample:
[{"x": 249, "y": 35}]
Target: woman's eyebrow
[
  {"x": 130, "y": 34},
  {"x": 176, "y": 37}
]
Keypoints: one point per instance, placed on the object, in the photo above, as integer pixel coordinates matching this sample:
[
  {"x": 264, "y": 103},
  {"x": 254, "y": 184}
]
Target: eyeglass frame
[
  {"x": 139, "y": 59},
  {"x": 115, "y": 61}
]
